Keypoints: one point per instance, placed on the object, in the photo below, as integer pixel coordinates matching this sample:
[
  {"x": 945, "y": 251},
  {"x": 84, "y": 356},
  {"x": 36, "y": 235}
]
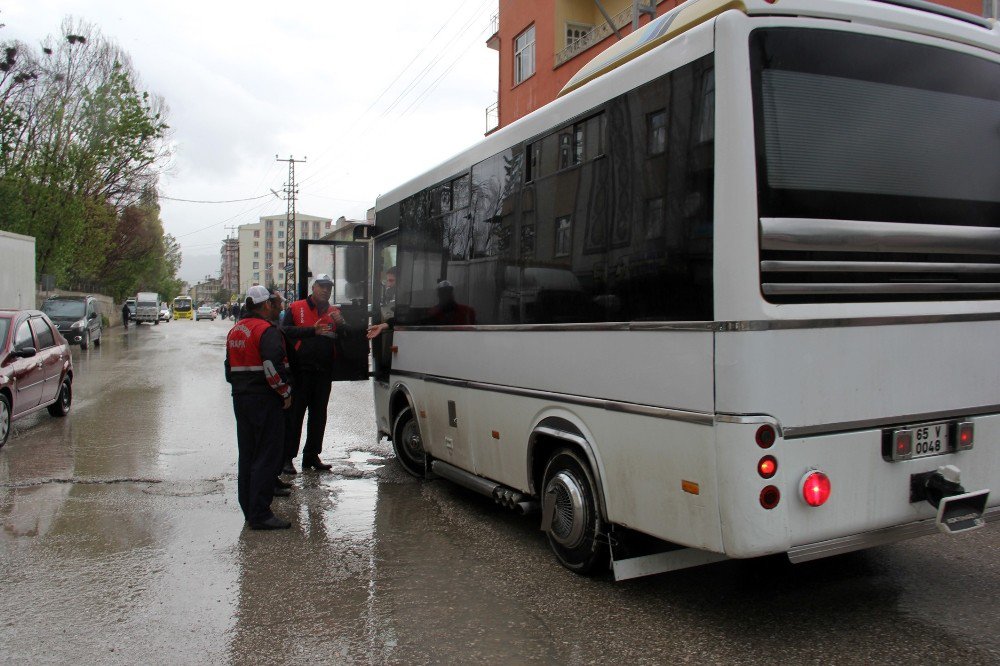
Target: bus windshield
[
  {"x": 182, "y": 304},
  {"x": 859, "y": 127}
]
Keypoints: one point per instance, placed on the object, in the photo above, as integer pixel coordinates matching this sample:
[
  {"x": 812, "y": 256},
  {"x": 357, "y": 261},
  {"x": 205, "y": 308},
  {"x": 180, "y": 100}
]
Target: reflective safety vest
[
  {"x": 303, "y": 315},
  {"x": 243, "y": 345},
  {"x": 248, "y": 371}
]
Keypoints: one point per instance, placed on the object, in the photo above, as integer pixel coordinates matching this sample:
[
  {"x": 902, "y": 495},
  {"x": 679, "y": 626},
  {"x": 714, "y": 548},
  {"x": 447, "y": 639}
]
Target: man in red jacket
[
  {"x": 257, "y": 368},
  {"x": 313, "y": 371}
]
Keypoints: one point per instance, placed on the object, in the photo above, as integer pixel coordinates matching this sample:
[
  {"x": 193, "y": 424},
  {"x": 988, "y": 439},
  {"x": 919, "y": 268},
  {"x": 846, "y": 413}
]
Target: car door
[
  {"x": 94, "y": 320},
  {"x": 28, "y": 373},
  {"x": 50, "y": 356}
]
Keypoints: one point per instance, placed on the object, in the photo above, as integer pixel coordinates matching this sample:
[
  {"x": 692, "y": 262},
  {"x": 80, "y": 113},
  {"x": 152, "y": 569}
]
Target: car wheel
[
  {"x": 85, "y": 343},
  {"x": 5, "y": 418},
  {"x": 574, "y": 526},
  {"x": 407, "y": 444},
  {"x": 100, "y": 336},
  {"x": 65, "y": 400}
]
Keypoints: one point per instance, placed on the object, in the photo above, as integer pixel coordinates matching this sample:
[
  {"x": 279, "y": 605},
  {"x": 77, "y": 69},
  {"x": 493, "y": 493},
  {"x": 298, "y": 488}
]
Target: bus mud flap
[{"x": 647, "y": 565}]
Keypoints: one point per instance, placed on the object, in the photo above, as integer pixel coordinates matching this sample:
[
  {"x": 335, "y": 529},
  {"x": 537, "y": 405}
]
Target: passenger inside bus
[{"x": 449, "y": 312}]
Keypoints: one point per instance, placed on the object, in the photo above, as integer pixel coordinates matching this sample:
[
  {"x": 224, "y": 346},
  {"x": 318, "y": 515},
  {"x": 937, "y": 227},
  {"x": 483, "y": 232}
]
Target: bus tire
[
  {"x": 575, "y": 529},
  {"x": 407, "y": 443}
]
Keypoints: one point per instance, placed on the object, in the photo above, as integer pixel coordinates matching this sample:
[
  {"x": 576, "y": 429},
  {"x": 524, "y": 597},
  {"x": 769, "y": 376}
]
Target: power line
[{"x": 223, "y": 201}]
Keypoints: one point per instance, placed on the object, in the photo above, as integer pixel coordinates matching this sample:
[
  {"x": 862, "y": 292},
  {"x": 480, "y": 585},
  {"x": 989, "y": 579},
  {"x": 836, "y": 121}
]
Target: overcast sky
[{"x": 371, "y": 94}]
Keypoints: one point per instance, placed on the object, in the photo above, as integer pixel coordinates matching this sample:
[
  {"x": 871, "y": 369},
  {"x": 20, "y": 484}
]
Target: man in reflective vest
[
  {"x": 313, "y": 363},
  {"x": 256, "y": 366}
]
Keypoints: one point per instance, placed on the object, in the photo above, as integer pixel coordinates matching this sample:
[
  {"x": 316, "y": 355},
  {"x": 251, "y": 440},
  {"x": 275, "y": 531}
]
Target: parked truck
[
  {"x": 147, "y": 307},
  {"x": 17, "y": 271}
]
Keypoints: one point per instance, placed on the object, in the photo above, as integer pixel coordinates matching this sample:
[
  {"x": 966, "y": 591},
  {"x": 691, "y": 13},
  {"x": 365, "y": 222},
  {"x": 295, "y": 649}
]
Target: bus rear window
[{"x": 860, "y": 127}]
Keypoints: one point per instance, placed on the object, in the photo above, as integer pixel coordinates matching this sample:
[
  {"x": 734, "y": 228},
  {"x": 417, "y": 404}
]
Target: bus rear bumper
[{"x": 881, "y": 537}]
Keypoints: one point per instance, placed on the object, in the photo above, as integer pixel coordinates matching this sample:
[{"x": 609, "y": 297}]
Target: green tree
[{"x": 81, "y": 147}]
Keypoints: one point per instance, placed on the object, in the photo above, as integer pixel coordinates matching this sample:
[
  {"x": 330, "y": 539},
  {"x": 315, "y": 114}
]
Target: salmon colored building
[{"x": 543, "y": 43}]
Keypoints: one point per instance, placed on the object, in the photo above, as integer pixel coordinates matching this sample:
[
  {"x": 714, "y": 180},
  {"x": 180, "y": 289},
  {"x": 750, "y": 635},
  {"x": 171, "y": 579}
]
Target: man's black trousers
[
  {"x": 312, "y": 393},
  {"x": 260, "y": 433}
]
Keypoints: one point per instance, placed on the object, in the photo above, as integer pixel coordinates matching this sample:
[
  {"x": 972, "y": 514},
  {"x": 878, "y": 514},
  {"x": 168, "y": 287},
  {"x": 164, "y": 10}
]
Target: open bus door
[
  {"x": 384, "y": 302},
  {"x": 347, "y": 264}
]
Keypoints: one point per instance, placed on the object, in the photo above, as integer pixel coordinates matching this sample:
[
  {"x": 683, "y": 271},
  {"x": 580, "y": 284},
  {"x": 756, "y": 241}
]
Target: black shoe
[
  {"x": 316, "y": 464},
  {"x": 289, "y": 468},
  {"x": 272, "y": 523},
  {"x": 278, "y": 483},
  {"x": 281, "y": 492}
]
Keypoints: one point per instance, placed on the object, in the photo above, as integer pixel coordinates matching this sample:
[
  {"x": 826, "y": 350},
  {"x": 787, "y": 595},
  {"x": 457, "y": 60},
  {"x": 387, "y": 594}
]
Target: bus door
[
  {"x": 347, "y": 265},
  {"x": 383, "y": 302},
  {"x": 383, "y": 310}
]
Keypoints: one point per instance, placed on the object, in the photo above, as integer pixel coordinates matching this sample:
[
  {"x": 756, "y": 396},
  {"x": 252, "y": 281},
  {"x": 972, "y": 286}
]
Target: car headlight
[{"x": 79, "y": 324}]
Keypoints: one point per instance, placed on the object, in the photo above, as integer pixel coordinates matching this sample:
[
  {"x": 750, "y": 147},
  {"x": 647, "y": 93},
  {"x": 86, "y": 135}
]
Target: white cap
[
  {"x": 258, "y": 294},
  {"x": 323, "y": 278},
  {"x": 444, "y": 284}
]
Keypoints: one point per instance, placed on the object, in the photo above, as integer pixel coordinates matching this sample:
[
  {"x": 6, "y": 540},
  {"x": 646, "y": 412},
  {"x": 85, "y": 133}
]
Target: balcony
[
  {"x": 494, "y": 39},
  {"x": 492, "y": 116},
  {"x": 600, "y": 32}
]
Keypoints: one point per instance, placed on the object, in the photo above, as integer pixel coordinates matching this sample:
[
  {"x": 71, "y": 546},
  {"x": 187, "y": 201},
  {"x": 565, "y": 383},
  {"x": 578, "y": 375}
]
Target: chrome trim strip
[
  {"x": 814, "y": 551},
  {"x": 699, "y": 418},
  {"x": 724, "y": 326},
  {"x": 803, "y": 288},
  {"x": 797, "y": 432},
  {"x": 769, "y": 266},
  {"x": 862, "y": 236}
]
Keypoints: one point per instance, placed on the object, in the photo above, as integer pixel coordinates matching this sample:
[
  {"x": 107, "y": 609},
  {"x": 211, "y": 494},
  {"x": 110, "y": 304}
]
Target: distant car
[
  {"x": 164, "y": 312},
  {"x": 204, "y": 312},
  {"x": 77, "y": 319},
  {"x": 36, "y": 369}
]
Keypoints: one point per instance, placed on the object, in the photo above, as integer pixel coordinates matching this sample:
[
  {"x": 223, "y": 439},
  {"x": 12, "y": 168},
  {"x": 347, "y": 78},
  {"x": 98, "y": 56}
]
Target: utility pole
[{"x": 290, "y": 246}]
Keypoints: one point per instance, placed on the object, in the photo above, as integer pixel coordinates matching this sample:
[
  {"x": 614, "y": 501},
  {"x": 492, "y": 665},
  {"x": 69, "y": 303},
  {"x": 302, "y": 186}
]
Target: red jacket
[
  {"x": 256, "y": 360},
  {"x": 313, "y": 354}
]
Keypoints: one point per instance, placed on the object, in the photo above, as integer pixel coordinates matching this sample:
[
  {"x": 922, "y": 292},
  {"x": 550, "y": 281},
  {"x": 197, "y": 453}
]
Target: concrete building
[
  {"x": 206, "y": 291},
  {"x": 543, "y": 43},
  {"x": 230, "y": 264},
  {"x": 263, "y": 247}
]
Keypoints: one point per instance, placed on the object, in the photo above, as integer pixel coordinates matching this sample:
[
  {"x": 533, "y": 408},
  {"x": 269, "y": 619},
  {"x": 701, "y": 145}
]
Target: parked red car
[{"x": 36, "y": 369}]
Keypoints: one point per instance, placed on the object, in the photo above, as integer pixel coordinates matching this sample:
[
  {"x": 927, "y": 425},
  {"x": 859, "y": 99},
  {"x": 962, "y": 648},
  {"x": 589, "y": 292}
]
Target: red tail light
[
  {"x": 767, "y": 466},
  {"x": 815, "y": 488},
  {"x": 965, "y": 435},
  {"x": 765, "y": 436},
  {"x": 769, "y": 497}
]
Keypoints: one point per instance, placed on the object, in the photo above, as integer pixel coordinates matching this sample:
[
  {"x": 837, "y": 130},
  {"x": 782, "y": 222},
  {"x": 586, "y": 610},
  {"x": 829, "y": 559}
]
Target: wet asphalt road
[{"x": 122, "y": 542}]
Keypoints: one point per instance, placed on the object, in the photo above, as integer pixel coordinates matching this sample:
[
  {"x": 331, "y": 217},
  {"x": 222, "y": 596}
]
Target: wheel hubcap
[
  {"x": 569, "y": 511},
  {"x": 411, "y": 440},
  {"x": 4, "y": 421}
]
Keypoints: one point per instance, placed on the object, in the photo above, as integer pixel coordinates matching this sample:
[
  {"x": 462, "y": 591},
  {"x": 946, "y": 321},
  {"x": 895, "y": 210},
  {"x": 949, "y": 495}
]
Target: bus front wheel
[
  {"x": 407, "y": 444},
  {"x": 574, "y": 528}
]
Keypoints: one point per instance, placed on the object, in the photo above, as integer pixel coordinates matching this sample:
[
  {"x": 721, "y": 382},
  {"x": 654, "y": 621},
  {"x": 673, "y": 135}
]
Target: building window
[
  {"x": 576, "y": 31},
  {"x": 281, "y": 244},
  {"x": 281, "y": 223},
  {"x": 256, "y": 233},
  {"x": 256, "y": 243},
  {"x": 564, "y": 236},
  {"x": 524, "y": 55},
  {"x": 281, "y": 234},
  {"x": 656, "y": 132},
  {"x": 256, "y": 264},
  {"x": 281, "y": 276},
  {"x": 256, "y": 276},
  {"x": 256, "y": 255}
]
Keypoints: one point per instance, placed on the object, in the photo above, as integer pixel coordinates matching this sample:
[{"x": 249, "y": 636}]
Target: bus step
[{"x": 673, "y": 560}]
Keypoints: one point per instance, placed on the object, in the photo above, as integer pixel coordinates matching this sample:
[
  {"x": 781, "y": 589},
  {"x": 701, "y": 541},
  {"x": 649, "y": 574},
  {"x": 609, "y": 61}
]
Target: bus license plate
[{"x": 931, "y": 439}]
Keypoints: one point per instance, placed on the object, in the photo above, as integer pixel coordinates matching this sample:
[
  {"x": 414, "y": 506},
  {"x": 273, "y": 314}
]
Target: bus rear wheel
[
  {"x": 575, "y": 527},
  {"x": 407, "y": 444}
]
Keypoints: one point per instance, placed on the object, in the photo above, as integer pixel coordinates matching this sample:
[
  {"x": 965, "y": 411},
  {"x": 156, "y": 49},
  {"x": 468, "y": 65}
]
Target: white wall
[{"x": 17, "y": 271}]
